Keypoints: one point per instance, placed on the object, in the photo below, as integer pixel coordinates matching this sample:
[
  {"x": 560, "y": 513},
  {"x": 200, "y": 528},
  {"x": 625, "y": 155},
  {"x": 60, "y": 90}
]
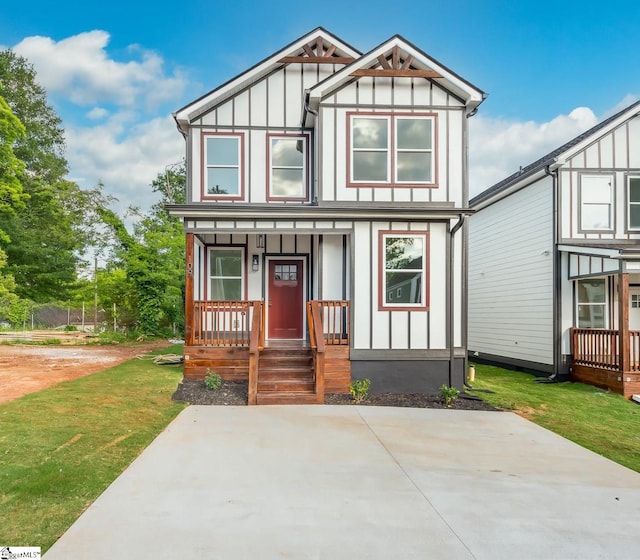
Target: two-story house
[
  {"x": 325, "y": 222},
  {"x": 555, "y": 261}
]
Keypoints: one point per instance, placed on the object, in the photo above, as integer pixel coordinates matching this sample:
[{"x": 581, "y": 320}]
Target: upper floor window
[
  {"x": 633, "y": 196},
  {"x": 391, "y": 149},
  {"x": 596, "y": 202},
  {"x": 288, "y": 163},
  {"x": 403, "y": 271},
  {"x": 223, "y": 163}
]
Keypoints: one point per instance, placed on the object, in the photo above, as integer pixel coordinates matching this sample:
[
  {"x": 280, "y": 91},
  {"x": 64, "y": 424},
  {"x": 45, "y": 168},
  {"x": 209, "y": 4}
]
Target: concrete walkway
[{"x": 351, "y": 482}]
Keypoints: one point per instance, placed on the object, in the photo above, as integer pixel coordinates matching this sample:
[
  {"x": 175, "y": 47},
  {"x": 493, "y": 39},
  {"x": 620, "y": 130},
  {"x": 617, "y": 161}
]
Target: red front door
[{"x": 286, "y": 296}]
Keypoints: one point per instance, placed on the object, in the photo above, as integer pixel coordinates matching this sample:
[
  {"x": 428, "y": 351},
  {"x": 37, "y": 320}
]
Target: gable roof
[
  {"x": 398, "y": 57},
  {"x": 557, "y": 157},
  {"x": 328, "y": 48}
]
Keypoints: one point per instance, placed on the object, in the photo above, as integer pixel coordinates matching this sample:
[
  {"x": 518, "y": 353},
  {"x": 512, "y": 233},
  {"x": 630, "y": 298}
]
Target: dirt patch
[
  {"x": 235, "y": 393},
  {"x": 27, "y": 369}
]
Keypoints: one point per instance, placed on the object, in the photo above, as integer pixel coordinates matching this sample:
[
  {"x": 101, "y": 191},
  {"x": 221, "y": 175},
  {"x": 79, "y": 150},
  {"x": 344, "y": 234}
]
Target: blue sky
[{"x": 116, "y": 71}]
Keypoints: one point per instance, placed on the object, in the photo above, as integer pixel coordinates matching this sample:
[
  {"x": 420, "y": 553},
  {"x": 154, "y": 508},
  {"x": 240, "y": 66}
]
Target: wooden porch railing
[
  {"x": 316, "y": 341},
  {"x": 224, "y": 323},
  {"x": 600, "y": 348},
  {"x": 256, "y": 343}
]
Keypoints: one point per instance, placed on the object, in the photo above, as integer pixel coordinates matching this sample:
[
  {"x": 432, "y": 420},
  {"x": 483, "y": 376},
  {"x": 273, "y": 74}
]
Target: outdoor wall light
[
  {"x": 260, "y": 241},
  {"x": 255, "y": 263}
]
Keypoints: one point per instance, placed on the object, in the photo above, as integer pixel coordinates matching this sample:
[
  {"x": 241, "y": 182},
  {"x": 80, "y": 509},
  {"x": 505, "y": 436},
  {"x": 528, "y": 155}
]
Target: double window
[
  {"x": 592, "y": 303},
  {"x": 403, "y": 271},
  {"x": 596, "y": 202},
  {"x": 226, "y": 267},
  {"x": 223, "y": 166},
  {"x": 288, "y": 163},
  {"x": 391, "y": 149}
]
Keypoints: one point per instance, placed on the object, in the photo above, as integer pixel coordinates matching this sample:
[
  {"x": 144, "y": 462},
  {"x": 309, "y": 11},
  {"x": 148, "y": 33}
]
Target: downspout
[
  {"x": 452, "y": 234},
  {"x": 556, "y": 272}
]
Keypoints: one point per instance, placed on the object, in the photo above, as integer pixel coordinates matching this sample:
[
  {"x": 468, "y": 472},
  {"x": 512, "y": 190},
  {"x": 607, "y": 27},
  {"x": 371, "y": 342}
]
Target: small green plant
[
  {"x": 212, "y": 381},
  {"x": 70, "y": 328},
  {"x": 449, "y": 395},
  {"x": 359, "y": 389}
]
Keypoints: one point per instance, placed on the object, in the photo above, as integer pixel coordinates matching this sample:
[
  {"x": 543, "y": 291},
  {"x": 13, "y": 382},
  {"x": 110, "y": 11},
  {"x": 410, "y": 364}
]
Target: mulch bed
[{"x": 235, "y": 393}]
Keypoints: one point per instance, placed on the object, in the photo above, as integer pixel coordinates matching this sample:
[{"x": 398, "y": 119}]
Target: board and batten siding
[
  {"x": 615, "y": 155},
  {"x": 511, "y": 276},
  {"x": 397, "y": 95},
  {"x": 271, "y": 105}
]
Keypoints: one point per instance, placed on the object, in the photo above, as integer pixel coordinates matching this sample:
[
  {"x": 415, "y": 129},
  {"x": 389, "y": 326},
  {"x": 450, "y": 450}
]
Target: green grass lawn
[
  {"x": 60, "y": 448},
  {"x": 594, "y": 418}
]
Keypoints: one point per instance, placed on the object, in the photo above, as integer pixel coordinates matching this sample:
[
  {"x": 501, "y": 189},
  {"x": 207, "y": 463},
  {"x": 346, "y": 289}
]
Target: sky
[{"x": 115, "y": 72}]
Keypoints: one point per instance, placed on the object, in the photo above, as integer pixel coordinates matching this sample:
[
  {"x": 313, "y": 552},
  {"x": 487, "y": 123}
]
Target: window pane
[
  {"x": 222, "y": 180},
  {"x": 592, "y": 291},
  {"x": 369, "y": 133},
  {"x": 595, "y": 216},
  {"x": 370, "y": 166},
  {"x": 403, "y": 253},
  {"x": 634, "y": 216},
  {"x": 226, "y": 263},
  {"x": 413, "y": 134},
  {"x": 414, "y": 167},
  {"x": 287, "y": 182},
  {"x": 222, "y": 151},
  {"x": 226, "y": 289},
  {"x": 287, "y": 152},
  {"x": 634, "y": 190},
  {"x": 403, "y": 287},
  {"x": 596, "y": 190}
]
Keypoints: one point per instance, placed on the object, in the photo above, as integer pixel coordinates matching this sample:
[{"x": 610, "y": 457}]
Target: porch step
[
  {"x": 285, "y": 376},
  {"x": 286, "y": 398}
]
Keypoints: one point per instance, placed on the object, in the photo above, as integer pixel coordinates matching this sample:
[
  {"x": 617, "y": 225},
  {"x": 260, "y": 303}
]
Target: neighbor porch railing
[{"x": 600, "y": 348}]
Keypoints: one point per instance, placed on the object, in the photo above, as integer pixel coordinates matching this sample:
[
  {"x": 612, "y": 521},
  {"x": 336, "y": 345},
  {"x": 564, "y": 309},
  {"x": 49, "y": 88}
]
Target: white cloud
[
  {"x": 80, "y": 69},
  {"x": 97, "y": 113},
  {"x": 498, "y": 147}
]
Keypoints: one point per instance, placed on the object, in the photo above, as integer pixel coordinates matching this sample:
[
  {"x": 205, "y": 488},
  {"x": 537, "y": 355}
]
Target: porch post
[
  {"x": 188, "y": 291},
  {"x": 623, "y": 321}
]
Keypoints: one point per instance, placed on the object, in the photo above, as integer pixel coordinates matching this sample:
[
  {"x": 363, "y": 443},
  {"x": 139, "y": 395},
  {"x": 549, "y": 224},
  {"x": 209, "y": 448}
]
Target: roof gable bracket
[{"x": 324, "y": 53}]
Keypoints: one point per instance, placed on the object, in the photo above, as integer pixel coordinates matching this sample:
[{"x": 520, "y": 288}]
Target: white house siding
[
  {"x": 511, "y": 277},
  {"x": 397, "y": 95},
  {"x": 270, "y": 105},
  {"x": 615, "y": 154}
]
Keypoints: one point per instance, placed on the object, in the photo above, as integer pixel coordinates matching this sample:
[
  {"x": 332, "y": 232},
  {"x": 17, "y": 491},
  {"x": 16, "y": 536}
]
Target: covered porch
[{"x": 229, "y": 338}]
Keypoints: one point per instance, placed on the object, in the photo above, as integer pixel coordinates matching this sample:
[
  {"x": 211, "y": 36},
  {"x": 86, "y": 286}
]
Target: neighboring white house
[
  {"x": 554, "y": 261},
  {"x": 324, "y": 174}
]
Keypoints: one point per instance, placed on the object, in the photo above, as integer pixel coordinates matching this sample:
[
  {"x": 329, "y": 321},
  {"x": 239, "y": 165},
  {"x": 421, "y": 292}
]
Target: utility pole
[{"x": 95, "y": 295}]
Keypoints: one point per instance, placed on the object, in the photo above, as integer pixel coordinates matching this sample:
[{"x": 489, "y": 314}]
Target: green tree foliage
[{"x": 153, "y": 258}]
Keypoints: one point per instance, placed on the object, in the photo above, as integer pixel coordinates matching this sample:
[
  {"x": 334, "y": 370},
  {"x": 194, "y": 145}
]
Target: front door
[
  {"x": 286, "y": 298},
  {"x": 634, "y": 309}
]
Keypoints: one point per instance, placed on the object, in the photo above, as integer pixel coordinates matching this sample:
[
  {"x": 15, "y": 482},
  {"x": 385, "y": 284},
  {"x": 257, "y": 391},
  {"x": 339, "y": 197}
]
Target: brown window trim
[
  {"x": 273, "y": 198},
  {"x": 391, "y": 184},
  {"x": 381, "y": 271},
  {"x": 203, "y": 167}
]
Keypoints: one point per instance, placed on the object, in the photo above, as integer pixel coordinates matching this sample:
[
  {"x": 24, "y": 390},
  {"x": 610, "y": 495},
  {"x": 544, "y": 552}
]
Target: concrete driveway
[{"x": 352, "y": 482}]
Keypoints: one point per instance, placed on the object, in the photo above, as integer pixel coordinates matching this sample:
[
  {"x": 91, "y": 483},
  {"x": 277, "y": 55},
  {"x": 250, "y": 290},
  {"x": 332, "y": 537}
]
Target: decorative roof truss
[
  {"x": 396, "y": 64},
  {"x": 318, "y": 52}
]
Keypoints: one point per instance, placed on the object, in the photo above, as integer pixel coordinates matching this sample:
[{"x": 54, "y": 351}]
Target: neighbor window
[
  {"x": 288, "y": 167},
  {"x": 387, "y": 150},
  {"x": 403, "y": 274},
  {"x": 222, "y": 165},
  {"x": 596, "y": 193},
  {"x": 634, "y": 202},
  {"x": 225, "y": 268},
  {"x": 592, "y": 303}
]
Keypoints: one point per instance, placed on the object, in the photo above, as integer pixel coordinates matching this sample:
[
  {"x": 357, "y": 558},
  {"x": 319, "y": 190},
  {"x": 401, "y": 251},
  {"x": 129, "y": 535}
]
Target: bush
[
  {"x": 70, "y": 328},
  {"x": 212, "y": 381},
  {"x": 359, "y": 389},
  {"x": 449, "y": 395}
]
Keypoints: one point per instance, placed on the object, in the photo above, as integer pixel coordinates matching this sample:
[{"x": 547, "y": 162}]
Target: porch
[
  {"x": 228, "y": 337},
  {"x": 604, "y": 358}
]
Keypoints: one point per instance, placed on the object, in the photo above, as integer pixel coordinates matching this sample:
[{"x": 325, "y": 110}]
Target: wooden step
[
  {"x": 286, "y": 398},
  {"x": 285, "y": 385}
]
